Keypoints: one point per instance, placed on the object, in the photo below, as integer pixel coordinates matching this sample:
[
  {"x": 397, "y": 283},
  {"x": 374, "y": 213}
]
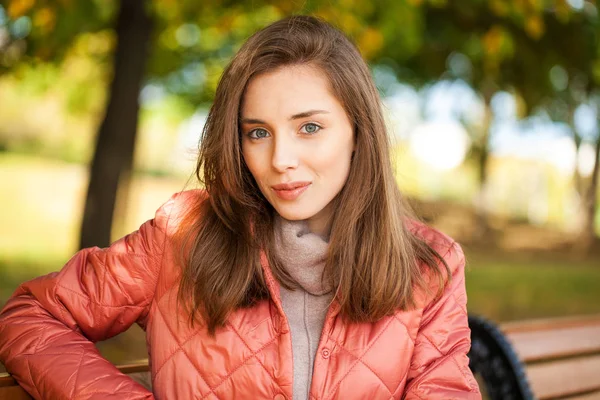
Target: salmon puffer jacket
[{"x": 49, "y": 326}]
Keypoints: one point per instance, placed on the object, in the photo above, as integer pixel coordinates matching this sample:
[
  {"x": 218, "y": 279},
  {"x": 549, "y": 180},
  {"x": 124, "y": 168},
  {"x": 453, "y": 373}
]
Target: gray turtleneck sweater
[{"x": 303, "y": 256}]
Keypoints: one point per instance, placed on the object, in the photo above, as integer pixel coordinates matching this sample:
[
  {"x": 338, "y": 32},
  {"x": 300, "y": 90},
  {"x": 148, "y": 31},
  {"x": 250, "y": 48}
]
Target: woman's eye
[
  {"x": 258, "y": 133},
  {"x": 311, "y": 128}
]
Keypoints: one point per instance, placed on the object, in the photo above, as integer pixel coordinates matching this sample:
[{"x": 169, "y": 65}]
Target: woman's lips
[{"x": 290, "y": 191}]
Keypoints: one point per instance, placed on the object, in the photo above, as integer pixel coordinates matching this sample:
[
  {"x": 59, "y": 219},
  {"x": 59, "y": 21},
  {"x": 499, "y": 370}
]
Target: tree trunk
[
  {"x": 482, "y": 228},
  {"x": 588, "y": 235},
  {"x": 578, "y": 180},
  {"x": 113, "y": 156}
]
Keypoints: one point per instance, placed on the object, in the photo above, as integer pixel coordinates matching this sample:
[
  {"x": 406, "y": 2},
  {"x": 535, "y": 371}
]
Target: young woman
[{"x": 297, "y": 272}]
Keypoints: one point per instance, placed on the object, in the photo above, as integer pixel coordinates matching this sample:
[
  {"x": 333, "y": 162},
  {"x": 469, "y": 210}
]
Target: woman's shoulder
[
  {"x": 437, "y": 240},
  {"x": 174, "y": 211},
  {"x": 448, "y": 250}
]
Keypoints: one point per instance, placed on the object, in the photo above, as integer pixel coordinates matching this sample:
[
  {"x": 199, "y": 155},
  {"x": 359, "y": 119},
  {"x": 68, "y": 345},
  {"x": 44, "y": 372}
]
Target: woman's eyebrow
[
  {"x": 307, "y": 114},
  {"x": 304, "y": 114},
  {"x": 252, "y": 121}
]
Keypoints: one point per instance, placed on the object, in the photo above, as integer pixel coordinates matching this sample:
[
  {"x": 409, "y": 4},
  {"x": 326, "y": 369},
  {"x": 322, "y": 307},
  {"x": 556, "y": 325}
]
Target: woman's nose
[{"x": 285, "y": 154}]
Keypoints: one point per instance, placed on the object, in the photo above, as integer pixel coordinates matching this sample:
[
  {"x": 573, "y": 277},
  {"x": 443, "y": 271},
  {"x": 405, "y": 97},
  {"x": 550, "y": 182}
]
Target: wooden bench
[{"x": 556, "y": 358}]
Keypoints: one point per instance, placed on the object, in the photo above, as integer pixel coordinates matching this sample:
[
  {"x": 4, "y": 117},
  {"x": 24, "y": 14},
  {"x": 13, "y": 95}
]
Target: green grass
[{"x": 505, "y": 289}]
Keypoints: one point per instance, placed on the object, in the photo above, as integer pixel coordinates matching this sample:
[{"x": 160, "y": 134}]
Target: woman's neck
[{"x": 320, "y": 223}]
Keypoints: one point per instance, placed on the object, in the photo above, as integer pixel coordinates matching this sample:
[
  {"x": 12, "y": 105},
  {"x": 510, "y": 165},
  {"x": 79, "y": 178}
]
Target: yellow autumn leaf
[
  {"x": 326, "y": 13},
  {"x": 349, "y": 23},
  {"x": 18, "y": 8},
  {"x": 562, "y": 10},
  {"x": 44, "y": 20},
  {"x": 492, "y": 41},
  {"x": 370, "y": 42},
  {"x": 534, "y": 26},
  {"x": 519, "y": 7},
  {"x": 491, "y": 67},
  {"x": 438, "y": 3},
  {"x": 596, "y": 71},
  {"x": 499, "y": 7},
  {"x": 537, "y": 5}
]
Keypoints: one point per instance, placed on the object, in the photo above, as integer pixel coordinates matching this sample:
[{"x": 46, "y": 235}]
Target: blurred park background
[{"x": 492, "y": 106}]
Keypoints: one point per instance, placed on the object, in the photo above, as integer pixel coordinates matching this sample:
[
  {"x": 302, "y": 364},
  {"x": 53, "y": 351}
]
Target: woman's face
[{"x": 297, "y": 142}]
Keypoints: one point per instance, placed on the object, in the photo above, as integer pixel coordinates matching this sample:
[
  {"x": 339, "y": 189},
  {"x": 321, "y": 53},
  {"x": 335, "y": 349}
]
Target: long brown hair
[{"x": 373, "y": 261}]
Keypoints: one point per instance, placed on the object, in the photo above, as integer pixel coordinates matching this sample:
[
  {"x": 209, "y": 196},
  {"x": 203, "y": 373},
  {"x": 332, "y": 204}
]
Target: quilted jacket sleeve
[
  {"x": 440, "y": 366},
  {"x": 48, "y": 326}
]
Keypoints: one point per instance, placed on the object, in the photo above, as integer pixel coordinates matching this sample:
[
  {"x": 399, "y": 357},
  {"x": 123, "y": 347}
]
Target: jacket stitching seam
[
  {"x": 47, "y": 354},
  {"x": 105, "y": 270},
  {"x": 162, "y": 258},
  {"x": 360, "y": 360},
  {"x": 416, "y": 381},
  {"x": 462, "y": 308},
  {"x": 467, "y": 379},
  {"x": 369, "y": 367},
  {"x": 336, "y": 386},
  {"x": 180, "y": 347},
  {"x": 31, "y": 378},
  {"x": 428, "y": 306},
  {"x": 255, "y": 327},
  {"x": 90, "y": 300},
  {"x": 244, "y": 361},
  {"x": 167, "y": 358},
  {"x": 402, "y": 380},
  {"x": 101, "y": 392},
  {"x": 366, "y": 365},
  {"x": 158, "y": 265},
  {"x": 415, "y": 394},
  {"x": 405, "y": 327},
  {"x": 254, "y": 353},
  {"x": 117, "y": 281},
  {"x": 77, "y": 375},
  {"x": 433, "y": 344},
  {"x": 39, "y": 306},
  {"x": 96, "y": 302},
  {"x": 167, "y": 290},
  {"x": 107, "y": 251},
  {"x": 414, "y": 384}
]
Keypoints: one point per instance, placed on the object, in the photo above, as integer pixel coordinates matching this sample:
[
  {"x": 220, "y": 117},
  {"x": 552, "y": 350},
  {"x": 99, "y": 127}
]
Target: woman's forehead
[{"x": 289, "y": 90}]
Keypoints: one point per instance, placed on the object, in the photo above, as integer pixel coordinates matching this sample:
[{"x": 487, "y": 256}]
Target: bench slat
[
  {"x": 540, "y": 345},
  {"x": 565, "y": 377},
  {"x": 7, "y": 380},
  {"x": 588, "y": 396},
  {"x": 549, "y": 323},
  {"x": 13, "y": 393}
]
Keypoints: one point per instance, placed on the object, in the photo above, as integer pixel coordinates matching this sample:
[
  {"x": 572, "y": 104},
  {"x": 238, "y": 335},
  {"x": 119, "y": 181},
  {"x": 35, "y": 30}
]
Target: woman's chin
[{"x": 294, "y": 214}]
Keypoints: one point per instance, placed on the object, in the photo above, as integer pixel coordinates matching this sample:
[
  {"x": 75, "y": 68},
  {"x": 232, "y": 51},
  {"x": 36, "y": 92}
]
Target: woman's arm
[
  {"x": 440, "y": 367},
  {"x": 48, "y": 326}
]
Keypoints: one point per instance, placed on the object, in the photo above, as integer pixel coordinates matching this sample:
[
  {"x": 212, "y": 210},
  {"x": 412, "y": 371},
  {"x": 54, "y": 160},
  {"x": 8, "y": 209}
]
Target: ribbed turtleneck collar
[{"x": 302, "y": 253}]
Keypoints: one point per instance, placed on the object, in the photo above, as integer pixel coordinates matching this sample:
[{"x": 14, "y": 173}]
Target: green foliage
[
  {"x": 509, "y": 44},
  {"x": 53, "y": 27}
]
